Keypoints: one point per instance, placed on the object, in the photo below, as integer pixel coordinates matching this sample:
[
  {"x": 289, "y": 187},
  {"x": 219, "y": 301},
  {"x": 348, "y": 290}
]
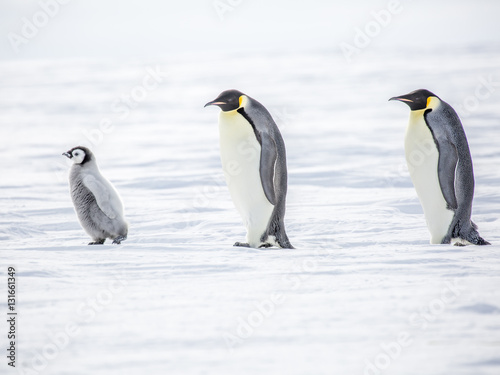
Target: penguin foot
[
  {"x": 459, "y": 244},
  {"x": 241, "y": 244},
  {"x": 265, "y": 245},
  {"x": 97, "y": 242},
  {"x": 118, "y": 240}
]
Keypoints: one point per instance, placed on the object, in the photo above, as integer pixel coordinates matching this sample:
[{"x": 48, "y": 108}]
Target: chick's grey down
[{"x": 97, "y": 204}]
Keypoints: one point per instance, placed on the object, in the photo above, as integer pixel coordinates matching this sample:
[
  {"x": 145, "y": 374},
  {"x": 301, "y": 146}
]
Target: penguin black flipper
[
  {"x": 268, "y": 156},
  {"x": 447, "y": 164},
  {"x": 448, "y": 154}
]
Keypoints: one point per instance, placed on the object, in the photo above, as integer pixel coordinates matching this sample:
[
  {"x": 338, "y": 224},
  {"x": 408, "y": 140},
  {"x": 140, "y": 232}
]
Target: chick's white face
[{"x": 78, "y": 155}]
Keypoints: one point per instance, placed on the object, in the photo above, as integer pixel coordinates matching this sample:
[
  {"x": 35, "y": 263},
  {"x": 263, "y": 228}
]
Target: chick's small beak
[{"x": 67, "y": 154}]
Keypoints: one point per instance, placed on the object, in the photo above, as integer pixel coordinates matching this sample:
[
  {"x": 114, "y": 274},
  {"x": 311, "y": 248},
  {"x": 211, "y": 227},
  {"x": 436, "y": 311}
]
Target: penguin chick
[
  {"x": 97, "y": 203},
  {"x": 254, "y": 162},
  {"x": 440, "y": 166}
]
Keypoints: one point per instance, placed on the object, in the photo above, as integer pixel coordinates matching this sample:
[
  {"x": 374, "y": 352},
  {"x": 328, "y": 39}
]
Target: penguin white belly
[
  {"x": 240, "y": 156},
  {"x": 422, "y": 158}
]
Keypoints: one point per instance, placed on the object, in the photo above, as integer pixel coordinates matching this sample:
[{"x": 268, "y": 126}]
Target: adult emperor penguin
[
  {"x": 97, "y": 204},
  {"x": 254, "y": 164},
  {"x": 440, "y": 166}
]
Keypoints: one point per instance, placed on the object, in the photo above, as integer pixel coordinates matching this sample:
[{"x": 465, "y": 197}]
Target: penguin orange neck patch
[{"x": 432, "y": 102}]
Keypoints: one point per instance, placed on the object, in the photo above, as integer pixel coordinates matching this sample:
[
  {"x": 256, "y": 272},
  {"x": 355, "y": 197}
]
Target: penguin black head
[
  {"x": 79, "y": 155},
  {"x": 416, "y": 100},
  {"x": 228, "y": 100}
]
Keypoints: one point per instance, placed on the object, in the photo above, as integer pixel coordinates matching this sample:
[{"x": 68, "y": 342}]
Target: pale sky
[{"x": 155, "y": 28}]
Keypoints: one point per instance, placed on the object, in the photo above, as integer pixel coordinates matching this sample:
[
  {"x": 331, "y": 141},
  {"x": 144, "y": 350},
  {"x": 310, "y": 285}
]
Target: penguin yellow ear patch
[
  {"x": 241, "y": 100},
  {"x": 429, "y": 100}
]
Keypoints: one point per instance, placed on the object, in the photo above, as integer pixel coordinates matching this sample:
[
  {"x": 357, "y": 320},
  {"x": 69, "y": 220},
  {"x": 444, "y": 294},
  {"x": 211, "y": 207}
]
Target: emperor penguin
[
  {"x": 440, "y": 166},
  {"x": 97, "y": 203},
  {"x": 254, "y": 163}
]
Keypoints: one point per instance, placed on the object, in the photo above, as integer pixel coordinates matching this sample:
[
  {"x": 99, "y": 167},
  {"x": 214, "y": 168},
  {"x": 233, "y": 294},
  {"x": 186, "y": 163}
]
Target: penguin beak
[
  {"x": 214, "y": 102},
  {"x": 401, "y": 98},
  {"x": 67, "y": 154}
]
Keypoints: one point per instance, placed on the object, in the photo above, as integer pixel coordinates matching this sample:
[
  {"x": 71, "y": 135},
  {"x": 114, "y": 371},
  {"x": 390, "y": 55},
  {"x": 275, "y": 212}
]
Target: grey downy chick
[{"x": 97, "y": 203}]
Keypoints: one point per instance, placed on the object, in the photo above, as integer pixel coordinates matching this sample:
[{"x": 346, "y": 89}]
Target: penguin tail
[
  {"x": 482, "y": 241},
  {"x": 468, "y": 234},
  {"x": 473, "y": 236},
  {"x": 286, "y": 244},
  {"x": 476, "y": 239}
]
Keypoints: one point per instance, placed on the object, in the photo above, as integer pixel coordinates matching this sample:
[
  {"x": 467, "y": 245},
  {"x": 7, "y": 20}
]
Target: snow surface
[{"x": 363, "y": 293}]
